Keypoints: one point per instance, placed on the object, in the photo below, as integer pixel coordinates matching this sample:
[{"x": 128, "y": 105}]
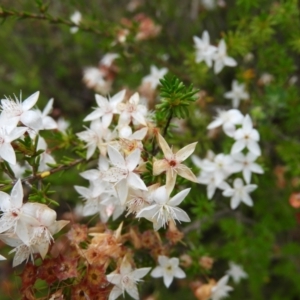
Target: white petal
[
  {"x": 238, "y": 146},
  {"x": 168, "y": 278},
  {"x": 122, "y": 190},
  {"x": 101, "y": 101},
  {"x": 17, "y": 194},
  {"x": 133, "y": 291},
  {"x": 133, "y": 159},
  {"x": 254, "y": 147},
  {"x": 49, "y": 123},
  {"x": 247, "y": 199},
  {"x": 115, "y": 293},
  {"x": 255, "y": 168},
  {"x": 7, "y": 153},
  {"x": 247, "y": 124},
  {"x": 48, "y": 107},
  {"x": 179, "y": 273},
  {"x": 106, "y": 119},
  {"x": 32, "y": 120},
  {"x": 96, "y": 114},
  {"x": 157, "y": 272},
  {"x": 114, "y": 278},
  {"x": 140, "y": 273},
  {"x": 181, "y": 215},
  {"x": 235, "y": 201},
  {"x": 136, "y": 182},
  {"x": 178, "y": 198},
  {"x": 247, "y": 174},
  {"x": 30, "y": 101},
  {"x": 216, "y": 123},
  {"x": 160, "y": 196},
  {"x": 229, "y": 61},
  {"x": 116, "y": 157}
]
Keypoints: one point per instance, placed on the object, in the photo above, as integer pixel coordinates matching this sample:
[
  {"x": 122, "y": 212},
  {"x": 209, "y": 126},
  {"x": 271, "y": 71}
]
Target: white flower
[
  {"x": 126, "y": 280},
  {"x": 122, "y": 172},
  {"x": 236, "y": 272},
  {"x": 221, "y": 167},
  {"x": 237, "y": 94},
  {"x": 106, "y": 108},
  {"x": 209, "y": 179},
  {"x": 239, "y": 193},
  {"x": 76, "y": 19},
  {"x": 165, "y": 209},
  {"x": 94, "y": 78},
  {"x": 204, "y": 51},
  {"x": 168, "y": 269},
  {"x": 40, "y": 236},
  {"x": 7, "y": 135},
  {"x": 228, "y": 119},
  {"x": 13, "y": 217},
  {"x": 15, "y": 110},
  {"x": 96, "y": 200},
  {"x": 246, "y": 164},
  {"x": 221, "y": 59},
  {"x": 97, "y": 136},
  {"x": 246, "y": 137},
  {"x": 221, "y": 289},
  {"x": 154, "y": 77},
  {"x": 132, "y": 111}
]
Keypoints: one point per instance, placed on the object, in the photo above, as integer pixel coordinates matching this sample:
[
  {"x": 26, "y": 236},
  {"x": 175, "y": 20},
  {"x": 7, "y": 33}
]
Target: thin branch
[
  {"x": 4, "y": 13},
  {"x": 44, "y": 174}
]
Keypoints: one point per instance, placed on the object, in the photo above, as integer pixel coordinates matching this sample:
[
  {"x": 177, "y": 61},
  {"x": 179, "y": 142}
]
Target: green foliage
[{"x": 175, "y": 98}]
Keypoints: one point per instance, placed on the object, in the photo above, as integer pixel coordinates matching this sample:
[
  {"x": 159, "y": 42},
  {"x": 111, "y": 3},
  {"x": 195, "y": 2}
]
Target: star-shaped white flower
[
  {"x": 236, "y": 272},
  {"x": 106, "y": 108},
  {"x": 168, "y": 269},
  {"x": 165, "y": 209},
  {"x": 245, "y": 163},
  {"x": 239, "y": 193},
  {"x": 204, "y": 51},
  {"x": 122, "y": 172},
  {"x": 221, "y": 59},
  {"x": 96, "y": 198},
  {"x": 246, "y": 137},
  {"x": 221, "y": 289},
  {"x": 132, "y": 111},
  {"x": 97, "y": 136},
  {"x": 228, "y": 119},
  {"x": 237, "y": 93},
  {"x": 16, "y": 110},
  {"x": 154, "y": 77},
  {"x": 126, "y": 280}
]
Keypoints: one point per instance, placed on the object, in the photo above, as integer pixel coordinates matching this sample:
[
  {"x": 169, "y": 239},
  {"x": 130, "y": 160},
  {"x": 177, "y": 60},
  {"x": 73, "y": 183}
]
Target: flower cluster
[
  {"x": 209, "y": 53},
  {"x": 216, "y": 169}
]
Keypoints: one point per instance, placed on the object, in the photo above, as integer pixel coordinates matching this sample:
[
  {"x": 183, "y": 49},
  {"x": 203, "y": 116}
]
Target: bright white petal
[{"x": 30, "y": 101}]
